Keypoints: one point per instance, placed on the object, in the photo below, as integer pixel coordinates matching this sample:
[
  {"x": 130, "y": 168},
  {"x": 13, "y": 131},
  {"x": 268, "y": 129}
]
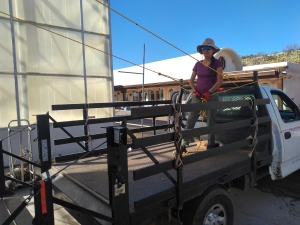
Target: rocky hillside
[{"x": 261, "y": 58}]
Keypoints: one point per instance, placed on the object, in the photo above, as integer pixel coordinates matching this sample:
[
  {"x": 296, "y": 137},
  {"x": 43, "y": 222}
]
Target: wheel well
[{"x": 197, "y": 210}]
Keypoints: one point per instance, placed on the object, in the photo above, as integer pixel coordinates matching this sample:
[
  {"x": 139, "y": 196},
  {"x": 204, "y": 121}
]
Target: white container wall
[{"x": 49, "y": 68}]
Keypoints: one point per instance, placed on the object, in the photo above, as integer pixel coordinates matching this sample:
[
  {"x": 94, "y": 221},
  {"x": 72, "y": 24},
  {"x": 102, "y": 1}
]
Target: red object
[
  {"x": 196, "y": 94},
  {"x": 206, "y": 96},
  {"x": 43, "y": 197},
  {"x": 221, "y": 89}
]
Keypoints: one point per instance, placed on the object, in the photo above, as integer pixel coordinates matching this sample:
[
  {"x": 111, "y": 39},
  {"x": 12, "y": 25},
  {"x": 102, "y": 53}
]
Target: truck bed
[{"x": 91, "y": 173}]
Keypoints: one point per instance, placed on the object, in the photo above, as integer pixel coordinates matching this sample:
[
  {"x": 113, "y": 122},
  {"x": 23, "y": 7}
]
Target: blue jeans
[{"x": 194, "y": 115}]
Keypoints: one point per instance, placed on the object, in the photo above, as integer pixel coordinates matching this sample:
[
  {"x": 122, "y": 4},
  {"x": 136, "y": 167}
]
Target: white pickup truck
[
  {"x": 285, "y": 117},
  {"x": 284, "y": 150}
]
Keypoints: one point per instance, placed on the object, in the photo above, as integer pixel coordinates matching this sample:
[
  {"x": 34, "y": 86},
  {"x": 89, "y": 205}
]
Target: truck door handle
[{"x": 287, "y": 135}]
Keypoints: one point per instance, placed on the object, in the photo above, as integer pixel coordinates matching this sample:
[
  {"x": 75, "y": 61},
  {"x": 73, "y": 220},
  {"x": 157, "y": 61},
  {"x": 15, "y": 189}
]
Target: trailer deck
[{"x": 92, "y": 172}]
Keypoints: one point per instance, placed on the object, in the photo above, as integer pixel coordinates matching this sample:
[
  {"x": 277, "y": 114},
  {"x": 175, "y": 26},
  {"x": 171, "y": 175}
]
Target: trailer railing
[{"x": 185, "y": 183}]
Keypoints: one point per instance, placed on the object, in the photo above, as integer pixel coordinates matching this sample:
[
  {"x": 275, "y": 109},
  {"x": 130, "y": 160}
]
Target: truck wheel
[
  {"x": 213, "y": 207},
  {"x": 174, "y": 96}
]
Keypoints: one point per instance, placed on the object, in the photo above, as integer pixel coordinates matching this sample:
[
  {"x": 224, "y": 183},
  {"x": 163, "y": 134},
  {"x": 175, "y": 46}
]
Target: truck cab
[{"x": 285, "y": 116}]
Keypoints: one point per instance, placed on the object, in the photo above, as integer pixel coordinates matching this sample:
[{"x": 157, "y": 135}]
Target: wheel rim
[{"x": 216, "y": 215}]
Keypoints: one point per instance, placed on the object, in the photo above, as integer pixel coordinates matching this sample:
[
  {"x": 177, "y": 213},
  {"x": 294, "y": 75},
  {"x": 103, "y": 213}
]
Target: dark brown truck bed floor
[{"x": 92, "y": 172}]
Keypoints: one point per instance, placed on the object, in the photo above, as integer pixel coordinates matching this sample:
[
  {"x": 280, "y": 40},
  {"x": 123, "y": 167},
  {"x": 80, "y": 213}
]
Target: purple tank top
[{"x": 206, "y": 79}]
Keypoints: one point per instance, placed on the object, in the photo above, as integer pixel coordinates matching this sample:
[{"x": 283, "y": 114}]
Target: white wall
[
  {"x": 292, "y": 86},
  {"x": 50, "y": 62},
  {"x": 179, "y": 68}
]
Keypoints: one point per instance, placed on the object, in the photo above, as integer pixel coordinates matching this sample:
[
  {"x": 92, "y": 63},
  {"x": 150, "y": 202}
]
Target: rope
[
  {"x": 155, "y": 35},
  {"x": 89, "y": 140},
  {"x": 255, "y": 124},
  {"x": 89, "y": 46}
]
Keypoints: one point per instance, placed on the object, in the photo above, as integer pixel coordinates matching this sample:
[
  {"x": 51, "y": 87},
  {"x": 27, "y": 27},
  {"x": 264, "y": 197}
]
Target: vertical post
[
  {"x": 43, "y": 203},
  {"x": 12, "y": 30},
  {"x": 44, "y": 146},
  {"x": 254, "y": 157},
  {"x": 2, "y": 180},
  {"x": 83, "y": 52},
  {"x": 143, "y": 93},
  {"x": 154, "y": 124},
  {"x": 118, "y": 174},
  {"x": 179, "y": 187},
  {"x": 85, "y": 117}
]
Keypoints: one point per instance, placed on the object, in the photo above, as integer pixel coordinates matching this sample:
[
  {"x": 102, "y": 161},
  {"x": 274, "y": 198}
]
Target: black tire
[
  {"x": 174, "y": 96},
  {"x": 213, "y": 207}
]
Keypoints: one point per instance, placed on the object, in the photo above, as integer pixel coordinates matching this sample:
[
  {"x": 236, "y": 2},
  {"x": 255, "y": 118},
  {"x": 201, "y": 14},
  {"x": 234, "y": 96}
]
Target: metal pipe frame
[
  {"x": 12, "y": 29},
  {"x": 53, "y": 74},
  {"x": 57, "y": 27}
]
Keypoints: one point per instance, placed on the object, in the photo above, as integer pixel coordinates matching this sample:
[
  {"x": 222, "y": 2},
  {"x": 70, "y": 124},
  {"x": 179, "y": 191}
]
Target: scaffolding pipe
[
  {"x": 83, "y": 53},
  {"x": 12, "y": 29}
]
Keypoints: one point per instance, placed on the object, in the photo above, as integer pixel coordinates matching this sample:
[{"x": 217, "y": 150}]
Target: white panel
[
  {"x": 42, "y": 51},
  {"x": 64, "y": 13},
  {"x": 99, "y": 90},
  {"x": 4, "y": 6},
  {"x": 39, "y": 51},
  {"x": 46, "y": 91},
  {"x": 7, "y": 100},
  {"x": 96, "y": 16},
  {"x": 97, "y": 63},
  {"x": 6, "y": 59}
]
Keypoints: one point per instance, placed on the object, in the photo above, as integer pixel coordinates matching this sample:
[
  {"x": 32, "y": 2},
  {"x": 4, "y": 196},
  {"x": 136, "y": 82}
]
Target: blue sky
[{"x": 247, "y": 26}]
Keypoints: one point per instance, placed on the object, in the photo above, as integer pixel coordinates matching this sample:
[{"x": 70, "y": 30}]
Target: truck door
[{"x": 288, "y": 116}]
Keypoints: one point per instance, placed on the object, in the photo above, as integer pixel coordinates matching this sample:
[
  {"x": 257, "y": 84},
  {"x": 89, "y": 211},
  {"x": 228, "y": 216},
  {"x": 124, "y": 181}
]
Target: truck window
[{"x": 288, "y": 110}]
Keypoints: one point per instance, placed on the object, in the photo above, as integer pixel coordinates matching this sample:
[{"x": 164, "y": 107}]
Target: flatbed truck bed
[{"x": 92, "y": 172}]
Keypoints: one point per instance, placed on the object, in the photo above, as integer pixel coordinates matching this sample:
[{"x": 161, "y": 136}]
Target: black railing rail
[
  {"x": 85, "y": 122},
  {"x": 107, "y": 105}
]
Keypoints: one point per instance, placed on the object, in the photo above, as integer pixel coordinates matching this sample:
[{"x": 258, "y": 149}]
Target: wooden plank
[
  {"x": 145, "y": 129},
  {"x": 222, "y": 127},
  {"x": 158, "y": 139},
  {"x": 91, "y": 121},
  {"x": 74, "y": 156},
  {"x": 214, "y": 105},
  {"x": 221, "y": 105},
  {"x": 104, "y": 135},
  {"x": 106, "y": 105},
  {"x": 168, "y": 165},
  {"x": 78, "y": 138},
  {"x": 153, "y": 140},
  {"x": 168, "y": 109},
  {"x": 151, "y": 111}
]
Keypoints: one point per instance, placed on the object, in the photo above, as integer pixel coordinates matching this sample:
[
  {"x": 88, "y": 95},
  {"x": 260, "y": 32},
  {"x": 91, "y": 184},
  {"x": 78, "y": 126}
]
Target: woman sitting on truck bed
[{"x": 208, "y": 82}]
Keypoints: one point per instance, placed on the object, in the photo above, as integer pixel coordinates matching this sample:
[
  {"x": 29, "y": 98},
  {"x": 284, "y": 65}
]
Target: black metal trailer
[{"x": 144, "y": 184}]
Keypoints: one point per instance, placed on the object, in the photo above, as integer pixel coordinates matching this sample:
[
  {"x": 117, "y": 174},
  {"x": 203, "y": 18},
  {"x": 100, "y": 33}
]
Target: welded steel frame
[{"x": 181, "y": 192}]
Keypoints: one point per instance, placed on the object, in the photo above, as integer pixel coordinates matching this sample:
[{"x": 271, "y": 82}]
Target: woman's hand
[{"x": 206, "y": 95}]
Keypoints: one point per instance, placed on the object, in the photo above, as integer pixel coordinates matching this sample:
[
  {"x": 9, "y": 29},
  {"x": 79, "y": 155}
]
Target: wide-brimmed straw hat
[{"x": 208, "y": 42}]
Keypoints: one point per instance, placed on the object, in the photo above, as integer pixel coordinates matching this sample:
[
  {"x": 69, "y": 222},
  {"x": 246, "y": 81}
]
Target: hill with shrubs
[{"x": 290, "y": 54}]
